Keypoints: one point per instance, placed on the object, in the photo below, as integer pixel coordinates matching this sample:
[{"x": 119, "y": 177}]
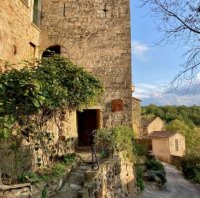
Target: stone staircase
[{"x": 73, "y": 187}]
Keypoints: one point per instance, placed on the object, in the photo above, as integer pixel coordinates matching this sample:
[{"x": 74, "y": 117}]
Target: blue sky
[{"x": 153, "y": 66}]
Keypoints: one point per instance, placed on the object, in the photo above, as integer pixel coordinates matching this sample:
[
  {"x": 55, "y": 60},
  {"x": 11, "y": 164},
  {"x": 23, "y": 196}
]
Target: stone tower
[{"x": 95, "y": 34}]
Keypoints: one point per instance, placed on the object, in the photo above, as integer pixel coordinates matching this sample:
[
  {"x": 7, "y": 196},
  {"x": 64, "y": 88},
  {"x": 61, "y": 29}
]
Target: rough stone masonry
[{"x": 95, "y": 34}]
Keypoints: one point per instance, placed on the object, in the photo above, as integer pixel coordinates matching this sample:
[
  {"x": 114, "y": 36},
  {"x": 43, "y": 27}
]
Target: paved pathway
[{"x": 176, "y": 187}]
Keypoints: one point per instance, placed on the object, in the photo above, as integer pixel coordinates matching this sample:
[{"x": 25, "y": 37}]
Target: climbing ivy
[{"x": 53, "y": 84}]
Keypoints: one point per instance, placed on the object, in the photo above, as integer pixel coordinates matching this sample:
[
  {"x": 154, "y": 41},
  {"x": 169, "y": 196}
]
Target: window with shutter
[{"x": 36, "y": 12}]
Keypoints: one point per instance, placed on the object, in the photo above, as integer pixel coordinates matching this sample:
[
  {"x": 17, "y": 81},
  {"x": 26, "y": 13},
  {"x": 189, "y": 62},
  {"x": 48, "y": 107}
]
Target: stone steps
[{"x": 73, "y": 187}]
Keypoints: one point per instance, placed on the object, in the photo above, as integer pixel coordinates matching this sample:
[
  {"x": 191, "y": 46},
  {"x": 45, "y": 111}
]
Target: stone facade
[
  {"x": 92, "y": 34},
  {"x": 20, "y": 155},
  {"x": 152, "y": 124},
  {"x": 136, "y": 116},
  {"x": 19, "y": 37},
  {"x": 95, "y": 35}
]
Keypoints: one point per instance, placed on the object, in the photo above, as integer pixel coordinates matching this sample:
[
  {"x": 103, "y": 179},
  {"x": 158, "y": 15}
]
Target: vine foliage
[{"x": 30, "y": 95}]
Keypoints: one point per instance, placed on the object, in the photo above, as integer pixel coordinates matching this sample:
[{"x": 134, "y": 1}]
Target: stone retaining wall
[{"x": 115, "y": 178}]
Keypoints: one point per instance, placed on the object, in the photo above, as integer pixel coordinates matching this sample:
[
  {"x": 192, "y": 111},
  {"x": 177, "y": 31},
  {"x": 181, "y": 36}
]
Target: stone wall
[
  {"x": 136, "y": 115},
  {"x": 161, "y": 150},
  {"x": 156, "y": 125},
  {"x": 114, "y": 179},
  {"x": 17, "y": 31},
  {"x": 95, "y": 35},
  {"x": 20, "y": 154}
]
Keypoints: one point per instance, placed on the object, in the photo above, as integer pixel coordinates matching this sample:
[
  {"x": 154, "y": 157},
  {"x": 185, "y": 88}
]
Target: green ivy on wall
[{"x": 53, "y": 84}]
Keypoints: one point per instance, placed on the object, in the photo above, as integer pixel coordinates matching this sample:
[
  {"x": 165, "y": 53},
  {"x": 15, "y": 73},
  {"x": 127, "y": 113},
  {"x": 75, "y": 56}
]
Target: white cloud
[
  {"x": 139, "y": 49},
  {"x": 155, "y": 94}
]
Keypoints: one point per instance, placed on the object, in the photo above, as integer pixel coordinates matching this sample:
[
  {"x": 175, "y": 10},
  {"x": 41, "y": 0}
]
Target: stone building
[
  {"x": 96, "y": 36},
  {"x": 19, "y": 32},
  {"x": 152, "y": 124},
  {"x": 92, "y": 34},
  {"x": 136, "y": 115},
  {"x": 166, "y": 144}
]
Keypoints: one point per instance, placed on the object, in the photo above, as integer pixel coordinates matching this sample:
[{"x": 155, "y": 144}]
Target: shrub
[
  {"x": 191, "y": 167},
  {"x": 53, "y": 84},
  {"x": 197, "y": 177},
  {"x": 156, "y": 171},
  {"x": 28, "y": 176},
  {"x": 117, "y": 139},
  {"x": 152, "y": 174},
  {"x": 139, "y": 176},
  {"x": 140, "y": 149},
  {"x": 155, "y": 165}
]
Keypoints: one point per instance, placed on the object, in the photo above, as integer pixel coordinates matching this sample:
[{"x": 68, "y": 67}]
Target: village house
[
  {"x": 166, "y": 144},
  {"x": 151, "y": 124}
]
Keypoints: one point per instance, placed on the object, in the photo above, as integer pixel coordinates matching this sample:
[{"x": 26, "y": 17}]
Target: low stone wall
[
  {"x": 115, "y": 178},
  {"x": 15, "y": 191},
  {"x": 24, "y": 153},
  {"x": 15, "y": 161}
]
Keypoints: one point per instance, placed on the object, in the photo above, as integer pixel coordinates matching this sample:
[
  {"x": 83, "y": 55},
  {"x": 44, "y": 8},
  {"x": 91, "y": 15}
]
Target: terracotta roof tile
[{"x": 161, "y": 134}]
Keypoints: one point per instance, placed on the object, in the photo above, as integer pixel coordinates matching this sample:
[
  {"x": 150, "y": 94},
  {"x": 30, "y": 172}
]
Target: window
[
  {"x": 176, "y": 145},
  {"x": 36, "y": 12}
]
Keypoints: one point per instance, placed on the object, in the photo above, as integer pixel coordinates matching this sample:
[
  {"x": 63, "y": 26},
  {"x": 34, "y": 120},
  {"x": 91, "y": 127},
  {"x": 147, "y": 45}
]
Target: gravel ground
[{"x": 176, "y": 187}]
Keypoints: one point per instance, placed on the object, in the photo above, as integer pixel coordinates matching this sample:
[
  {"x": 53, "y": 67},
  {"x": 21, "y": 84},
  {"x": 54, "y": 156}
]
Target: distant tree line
[{"x": 189, "y": 115}]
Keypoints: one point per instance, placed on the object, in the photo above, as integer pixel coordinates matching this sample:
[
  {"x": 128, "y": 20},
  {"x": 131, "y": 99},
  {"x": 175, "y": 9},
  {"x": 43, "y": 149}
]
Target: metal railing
[{"x": 95, "y": 163}]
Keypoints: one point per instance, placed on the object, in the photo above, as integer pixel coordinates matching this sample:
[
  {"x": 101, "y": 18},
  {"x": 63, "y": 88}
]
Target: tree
[{"x": 179, "y": 20}]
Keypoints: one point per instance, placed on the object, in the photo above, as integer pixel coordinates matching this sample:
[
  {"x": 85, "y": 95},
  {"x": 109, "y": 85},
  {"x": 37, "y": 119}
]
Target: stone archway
[{"x": 51, "y": 51}]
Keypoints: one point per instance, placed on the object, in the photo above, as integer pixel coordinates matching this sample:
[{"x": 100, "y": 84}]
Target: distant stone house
[
  {"x": 166, "y": 144},
  {"x": 152, "y": 124}
]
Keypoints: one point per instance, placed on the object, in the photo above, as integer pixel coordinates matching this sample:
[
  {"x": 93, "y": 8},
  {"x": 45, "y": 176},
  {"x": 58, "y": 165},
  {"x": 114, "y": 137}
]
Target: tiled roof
[{"x": 161, "y": 134}]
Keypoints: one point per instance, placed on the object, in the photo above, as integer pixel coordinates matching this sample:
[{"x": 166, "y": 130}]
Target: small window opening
[
  {"x": 105, "y": 10},
  {"x": 36, "y": 12},
  {"x": 176, "y": 145}
]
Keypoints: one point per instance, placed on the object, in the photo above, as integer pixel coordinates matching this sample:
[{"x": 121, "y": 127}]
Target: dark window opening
[{"x": 51, "y": 51}]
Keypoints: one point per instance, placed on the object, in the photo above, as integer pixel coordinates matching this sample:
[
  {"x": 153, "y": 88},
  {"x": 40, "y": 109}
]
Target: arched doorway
[{"x": 51, "y": 51}]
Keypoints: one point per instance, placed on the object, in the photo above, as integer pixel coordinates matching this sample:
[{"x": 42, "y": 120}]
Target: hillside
[{"x": 189, "y": 115}]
